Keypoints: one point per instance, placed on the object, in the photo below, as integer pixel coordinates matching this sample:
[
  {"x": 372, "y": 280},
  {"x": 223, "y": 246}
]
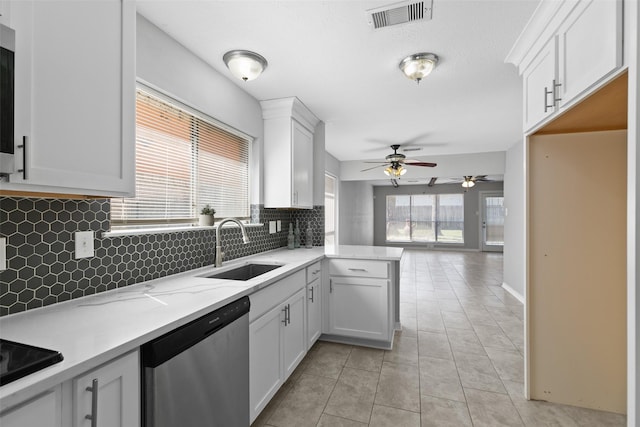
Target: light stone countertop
[
  {"x": 95, "y": 329},
  {"x": 382, "y": 253}
]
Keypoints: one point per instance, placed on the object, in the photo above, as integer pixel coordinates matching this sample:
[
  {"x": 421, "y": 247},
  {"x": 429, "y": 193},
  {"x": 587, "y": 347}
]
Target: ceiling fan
[
  {"x": 395, "y": 163},
  {"x": 467, "y": 181}
]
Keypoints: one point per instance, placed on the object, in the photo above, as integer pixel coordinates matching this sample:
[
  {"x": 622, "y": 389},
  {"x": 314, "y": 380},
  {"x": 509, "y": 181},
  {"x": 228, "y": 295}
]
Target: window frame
[{"x": 189, "y": 108}]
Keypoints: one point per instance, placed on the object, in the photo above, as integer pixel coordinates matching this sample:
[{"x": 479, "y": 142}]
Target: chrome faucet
[{"x": 245, "y": 238}]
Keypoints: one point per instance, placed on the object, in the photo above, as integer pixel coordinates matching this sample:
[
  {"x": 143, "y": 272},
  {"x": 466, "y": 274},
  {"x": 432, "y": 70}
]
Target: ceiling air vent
[{"x": 400, "y": 13}]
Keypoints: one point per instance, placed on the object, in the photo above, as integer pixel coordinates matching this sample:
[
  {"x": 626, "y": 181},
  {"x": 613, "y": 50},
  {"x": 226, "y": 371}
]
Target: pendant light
[{"x": 244, "y": 64}]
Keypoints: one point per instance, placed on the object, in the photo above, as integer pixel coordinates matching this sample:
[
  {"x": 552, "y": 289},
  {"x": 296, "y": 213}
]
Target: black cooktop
[{"x": 18, "y": 360}]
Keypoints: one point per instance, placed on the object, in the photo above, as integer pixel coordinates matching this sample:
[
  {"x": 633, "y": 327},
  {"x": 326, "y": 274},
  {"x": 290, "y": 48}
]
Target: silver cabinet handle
[
  {"x": 554, "y": 96},
  {"x": 330, "y": 285},
  {"x": 547, "y": 92},
  {"x": 316, "y": 271},
  {"x": 24, "y": 157},
  {"x": 555, "y": 87},
  {"x": 311, "y": 294},
  {"x": 94, "y": 403},
  {"x": 357, "y": 269},
  {"x": 285, "y": 315},
  {"x": 288, "y": 314}
]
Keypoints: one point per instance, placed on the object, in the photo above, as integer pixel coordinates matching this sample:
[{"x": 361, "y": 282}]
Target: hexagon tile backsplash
[{"x": 41, "y": 269}]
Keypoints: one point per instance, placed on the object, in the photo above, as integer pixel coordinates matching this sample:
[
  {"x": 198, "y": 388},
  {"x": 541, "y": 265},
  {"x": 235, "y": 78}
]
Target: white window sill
[{"x": 177, "y": 229}]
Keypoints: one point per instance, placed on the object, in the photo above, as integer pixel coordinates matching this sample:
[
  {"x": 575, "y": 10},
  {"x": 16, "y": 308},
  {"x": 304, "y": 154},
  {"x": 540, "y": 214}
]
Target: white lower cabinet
[
  {"x": 359, "y": 307},
  {"x": 359, "y": 300},
  {"x": 42, "y": 411},
  {"x": 277, "y": 337},
  {"x": 110, "y": 394},
  {"x": 314, "y": 303}
]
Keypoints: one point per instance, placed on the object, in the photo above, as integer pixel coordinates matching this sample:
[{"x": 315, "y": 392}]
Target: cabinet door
[
  {"x": 590, "y": 46},
  {"x": 43, "y": 411},
  {"x": 538, "y": 83},
  {"x": 359, "y": 307},
  {"x": 314, "y": 313},
  {"x": 294, "y": 342},
  {"x": 75, "y": 96},
  {"x": 265, "y": 365},
  {"x": 302, "y": 166},
  {"x": 117, "y": 402}
]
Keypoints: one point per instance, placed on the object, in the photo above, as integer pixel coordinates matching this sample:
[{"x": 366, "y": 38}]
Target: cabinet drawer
[
  {"x": 314, "y": 271},
  {"x": 274, "y": 294},
  {"x": 358, "y": 268}
]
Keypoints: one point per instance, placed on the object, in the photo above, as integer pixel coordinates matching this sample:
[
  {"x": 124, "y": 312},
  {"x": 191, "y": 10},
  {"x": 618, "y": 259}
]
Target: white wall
[
  {"x": 332, "y": 165},
  {"x": 166, "y": 65},
  {"x": 356, "y": 213},
  {"x": 318, "y": 164},
  {"x": 514, "y": 221}
]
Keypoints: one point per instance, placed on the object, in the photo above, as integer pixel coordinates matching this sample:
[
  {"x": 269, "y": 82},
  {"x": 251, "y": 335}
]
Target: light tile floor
[{"x": 458, "y": 360}]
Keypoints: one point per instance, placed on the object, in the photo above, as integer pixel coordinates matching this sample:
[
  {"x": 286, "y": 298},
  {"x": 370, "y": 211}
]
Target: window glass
[
  {"x": 425, "y": 218},
  {"x": 398, "y": 218}
]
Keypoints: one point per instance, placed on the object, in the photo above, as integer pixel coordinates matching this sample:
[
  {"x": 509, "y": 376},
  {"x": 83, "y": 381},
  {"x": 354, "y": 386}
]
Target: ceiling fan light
[
  {"x": 244, "y": 64},
  {"x": 418, "y": 66},
  {"x": 402, "y": 170},
  {"x": 389, "y": 171},
  {"x": 468, "y": 183}
]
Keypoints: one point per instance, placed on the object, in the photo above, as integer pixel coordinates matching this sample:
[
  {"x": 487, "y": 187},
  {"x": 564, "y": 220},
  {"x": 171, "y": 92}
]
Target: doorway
[{"x": 492, "y": 221}]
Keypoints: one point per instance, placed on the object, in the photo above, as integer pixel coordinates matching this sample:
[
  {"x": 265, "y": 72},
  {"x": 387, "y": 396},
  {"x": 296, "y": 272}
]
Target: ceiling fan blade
[
  {"x": 368, "y": 169},
  {"x": 427, "y": 164}
]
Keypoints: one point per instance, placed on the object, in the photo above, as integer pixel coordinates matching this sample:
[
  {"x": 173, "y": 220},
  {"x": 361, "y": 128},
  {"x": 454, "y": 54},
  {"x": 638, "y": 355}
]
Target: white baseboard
[{"x": 513, "y": 292}]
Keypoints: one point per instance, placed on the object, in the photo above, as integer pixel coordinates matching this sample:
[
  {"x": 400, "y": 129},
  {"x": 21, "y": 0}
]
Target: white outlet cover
[
  {"x": 3, "y": 253},
  {"x": 272, "y": 227},
  {"x": 278, "y": 225},
  {"x": 84, "y": 244}
]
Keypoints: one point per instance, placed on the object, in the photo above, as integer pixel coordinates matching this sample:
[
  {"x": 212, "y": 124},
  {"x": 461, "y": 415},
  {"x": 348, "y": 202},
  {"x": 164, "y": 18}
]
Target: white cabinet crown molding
[
  {"x": 540, "y": 28},
  {"x": 289, "y": 107}
]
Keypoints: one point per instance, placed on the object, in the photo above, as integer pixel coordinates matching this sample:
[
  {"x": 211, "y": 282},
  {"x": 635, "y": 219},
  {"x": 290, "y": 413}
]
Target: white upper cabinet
[
  {"x": 288, "y": 153},
  {"x": 540, "y": 86},
  {"x": 590, "y": 46},
  {"x": 568, "y": 49},
  {"x": 74, "y": 97}
]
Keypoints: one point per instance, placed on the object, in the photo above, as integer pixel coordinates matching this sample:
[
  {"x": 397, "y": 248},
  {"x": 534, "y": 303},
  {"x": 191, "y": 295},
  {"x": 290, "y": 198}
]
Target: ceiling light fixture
[
  {"x": 468, "y": 182},
  {"x": 395, "y": 170},
  {"x": 244, "y": 64},
  {"x": 418, "y": 66}
]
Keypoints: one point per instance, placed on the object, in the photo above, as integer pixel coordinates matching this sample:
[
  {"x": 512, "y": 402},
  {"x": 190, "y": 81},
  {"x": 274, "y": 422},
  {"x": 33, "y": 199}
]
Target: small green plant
[{"x": 207, "y": 210}]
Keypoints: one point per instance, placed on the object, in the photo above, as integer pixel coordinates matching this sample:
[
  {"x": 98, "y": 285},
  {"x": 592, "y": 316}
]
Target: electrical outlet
[
  {"x": 272, "y": 227},
  {"x": 278, "y": 225},
  {"x": 84, "y": 244},
  {"x": 3, "y": 253}
]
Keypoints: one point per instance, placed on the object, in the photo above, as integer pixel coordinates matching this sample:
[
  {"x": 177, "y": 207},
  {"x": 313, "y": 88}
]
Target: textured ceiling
[{"x": 326, "y": 54}]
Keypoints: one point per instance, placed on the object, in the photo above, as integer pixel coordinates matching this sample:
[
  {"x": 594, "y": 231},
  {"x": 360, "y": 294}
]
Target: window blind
[{"x": 183, "y": 162}]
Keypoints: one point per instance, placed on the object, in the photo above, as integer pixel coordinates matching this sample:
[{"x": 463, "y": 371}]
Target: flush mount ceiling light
[
  {"x": 244, "y": 64},
  {"x": 418, "y": 66}
]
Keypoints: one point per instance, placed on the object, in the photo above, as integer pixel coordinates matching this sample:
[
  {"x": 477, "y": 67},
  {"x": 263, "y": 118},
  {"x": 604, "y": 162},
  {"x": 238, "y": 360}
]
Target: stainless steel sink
[{"x": 244, "y": 272}]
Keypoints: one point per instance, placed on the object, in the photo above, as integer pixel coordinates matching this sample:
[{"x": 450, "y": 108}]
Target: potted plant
[{"x": 206, "y": 216}]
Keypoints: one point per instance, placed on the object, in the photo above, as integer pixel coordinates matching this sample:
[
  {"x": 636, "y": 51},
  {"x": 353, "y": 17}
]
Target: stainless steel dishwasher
[{"x": 198, "y": 374}]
